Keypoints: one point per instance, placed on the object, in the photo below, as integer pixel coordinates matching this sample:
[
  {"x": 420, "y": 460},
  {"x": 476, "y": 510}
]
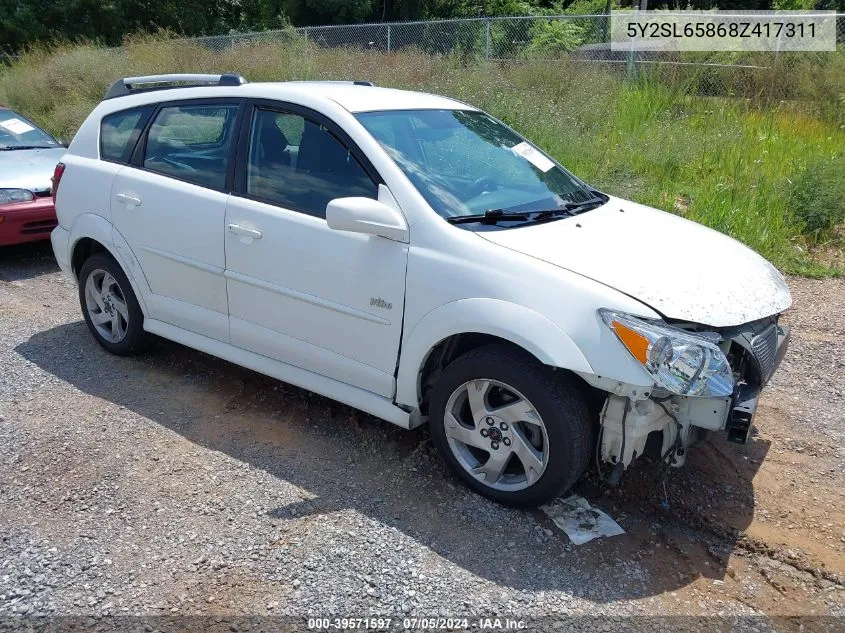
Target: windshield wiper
[
  {"x": 491, "y": 216},
  {"x": 568, "y": 208},
  {"x": 9, "y": 148},
  {"x": 494, "y": 216},
  {"x": 571, "y": 208}
]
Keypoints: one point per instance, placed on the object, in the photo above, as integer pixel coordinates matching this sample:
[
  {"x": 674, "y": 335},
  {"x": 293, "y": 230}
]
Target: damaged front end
[{"x": 705, "y": 380}]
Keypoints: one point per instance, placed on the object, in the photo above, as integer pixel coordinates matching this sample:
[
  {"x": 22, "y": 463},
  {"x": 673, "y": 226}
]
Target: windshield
[
  {"x": 17, "y": 132},
  {"x": 467, "y": 163}
]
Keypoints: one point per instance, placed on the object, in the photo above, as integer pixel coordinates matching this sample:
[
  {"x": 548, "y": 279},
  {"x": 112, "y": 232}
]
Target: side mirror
[{"x": 368, "y": 216}]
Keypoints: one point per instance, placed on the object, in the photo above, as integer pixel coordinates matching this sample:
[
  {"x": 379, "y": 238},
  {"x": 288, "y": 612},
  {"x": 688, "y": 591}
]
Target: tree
[
  {"x": 313, "y": 12},
  {"x": 108, "y": 21}
]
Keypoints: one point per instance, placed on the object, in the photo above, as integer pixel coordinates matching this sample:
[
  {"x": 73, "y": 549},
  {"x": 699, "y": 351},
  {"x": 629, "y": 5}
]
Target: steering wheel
[
  {"x": 178, "y": 164},
  {"x": 170, "y": 161},
  {"x": 485, "y": 183},
  {"x": 503, "y": 198}
]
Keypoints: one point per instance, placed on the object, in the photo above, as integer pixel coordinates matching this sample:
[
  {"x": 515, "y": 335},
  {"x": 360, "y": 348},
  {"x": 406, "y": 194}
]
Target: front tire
[
  {"x": 510, "y": 427},
  {"x": 109, "y": 306}
]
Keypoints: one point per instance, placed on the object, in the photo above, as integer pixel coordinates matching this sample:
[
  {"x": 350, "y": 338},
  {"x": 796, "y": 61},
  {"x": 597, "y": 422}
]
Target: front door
[
  {"x": 170, "y": 207},
  {"x": 326, "y": 301}
]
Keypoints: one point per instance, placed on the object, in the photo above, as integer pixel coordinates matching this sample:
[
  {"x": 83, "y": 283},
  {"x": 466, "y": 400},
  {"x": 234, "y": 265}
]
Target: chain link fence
[
  {"x": 579, "y": 39},
  {"x": 516, "y": 38}
]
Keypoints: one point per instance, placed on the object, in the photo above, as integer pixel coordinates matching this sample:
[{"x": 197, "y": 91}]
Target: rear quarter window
[{"x": 119, "y": 133}]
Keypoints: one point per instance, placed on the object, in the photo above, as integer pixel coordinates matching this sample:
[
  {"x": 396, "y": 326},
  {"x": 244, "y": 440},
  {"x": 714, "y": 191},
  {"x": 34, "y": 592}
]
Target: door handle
[
  {"x": 127, "y": 199},
  {"x": 239, "y": 230}
]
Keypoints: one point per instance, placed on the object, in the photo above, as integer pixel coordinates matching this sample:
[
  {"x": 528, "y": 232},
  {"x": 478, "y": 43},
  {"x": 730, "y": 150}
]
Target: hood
[
  {"x": 29, "y": 168},
  {"x": 681, "y": 269}
]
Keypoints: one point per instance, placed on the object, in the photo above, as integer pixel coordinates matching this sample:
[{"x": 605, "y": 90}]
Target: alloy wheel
[
  {"x": 496, "y": 434},
  {"x": 106, "y": 305}
]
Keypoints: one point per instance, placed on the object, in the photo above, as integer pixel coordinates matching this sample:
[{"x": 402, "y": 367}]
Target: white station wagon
[{"x": 413, "y": 257}]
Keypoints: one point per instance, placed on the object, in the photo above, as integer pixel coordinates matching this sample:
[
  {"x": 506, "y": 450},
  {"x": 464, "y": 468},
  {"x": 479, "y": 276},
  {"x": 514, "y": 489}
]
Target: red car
[{"x": 28, "y": 157}]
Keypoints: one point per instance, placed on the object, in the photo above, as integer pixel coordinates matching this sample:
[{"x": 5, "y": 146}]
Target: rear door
[
  {"x": 324, "y": 300},
  {"x": 170, "y": 204}
]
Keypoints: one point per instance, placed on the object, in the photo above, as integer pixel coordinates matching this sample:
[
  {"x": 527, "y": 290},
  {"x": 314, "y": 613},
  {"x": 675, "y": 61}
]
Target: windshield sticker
[
  {"x": 533, "y": 156},
  {"x": 16, "y": 126}
]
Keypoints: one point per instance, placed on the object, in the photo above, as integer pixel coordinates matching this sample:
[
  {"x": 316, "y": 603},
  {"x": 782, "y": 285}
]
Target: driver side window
[
  {"x": 191, "y": 143},
  {"x": 298, "y": 164}
]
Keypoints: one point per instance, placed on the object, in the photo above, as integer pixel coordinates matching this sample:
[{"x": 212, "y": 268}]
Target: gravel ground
[{"x": 176, "y": 484}]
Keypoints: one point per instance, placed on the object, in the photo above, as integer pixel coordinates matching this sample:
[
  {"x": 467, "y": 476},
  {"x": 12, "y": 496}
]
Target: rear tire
[
  {"x": 510, "y": 427},
  {"x": 109, "y": 306}
]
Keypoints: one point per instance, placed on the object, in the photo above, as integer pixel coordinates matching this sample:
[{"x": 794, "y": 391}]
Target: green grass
[{"x": 767, "y": 173}]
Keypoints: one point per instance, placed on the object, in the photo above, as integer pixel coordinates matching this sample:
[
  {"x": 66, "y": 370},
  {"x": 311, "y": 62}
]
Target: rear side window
[
  {"x": 192, "y": 143},
  {"x": 119, "y": 132}
]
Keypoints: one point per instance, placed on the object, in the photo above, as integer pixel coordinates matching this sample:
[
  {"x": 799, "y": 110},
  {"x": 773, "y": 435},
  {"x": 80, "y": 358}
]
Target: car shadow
[
  {"x": 345, "y": 459},
  {"x": 25, "y": 261}
]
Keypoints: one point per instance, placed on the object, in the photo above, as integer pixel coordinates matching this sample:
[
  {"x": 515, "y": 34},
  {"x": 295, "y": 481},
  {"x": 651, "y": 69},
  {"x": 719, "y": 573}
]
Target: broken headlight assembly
[{"x": 682, "y": 362}]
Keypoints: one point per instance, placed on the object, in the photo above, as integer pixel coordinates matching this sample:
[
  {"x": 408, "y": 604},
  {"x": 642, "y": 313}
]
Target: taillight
[{"x": 57, "y": 177}]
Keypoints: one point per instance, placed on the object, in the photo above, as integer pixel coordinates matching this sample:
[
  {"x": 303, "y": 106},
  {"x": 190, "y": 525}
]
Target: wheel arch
[
  {"x": 455, "y": 328},
  {"x": 83, "y": 249},
  {"x": 92, "y": 234}
]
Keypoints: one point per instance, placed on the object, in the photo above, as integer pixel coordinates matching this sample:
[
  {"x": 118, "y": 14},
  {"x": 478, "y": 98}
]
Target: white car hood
[{"x": 681, "y": 269}]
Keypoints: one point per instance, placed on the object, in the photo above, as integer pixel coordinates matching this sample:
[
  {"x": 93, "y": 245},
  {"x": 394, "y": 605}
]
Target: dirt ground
[{"x": 208, "y": 488}]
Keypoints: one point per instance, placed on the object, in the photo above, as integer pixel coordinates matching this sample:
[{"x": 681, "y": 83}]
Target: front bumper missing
[
  {"x": 745, "y": 398},
  {"x": 673, "y": 417},
  {"x": 624, "y": 435},
  {"x": 741, "y": 416}
]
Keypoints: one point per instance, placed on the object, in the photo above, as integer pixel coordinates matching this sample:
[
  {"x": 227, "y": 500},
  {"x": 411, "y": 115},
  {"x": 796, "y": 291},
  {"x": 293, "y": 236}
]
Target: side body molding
[{"x": 512, "y": 322}]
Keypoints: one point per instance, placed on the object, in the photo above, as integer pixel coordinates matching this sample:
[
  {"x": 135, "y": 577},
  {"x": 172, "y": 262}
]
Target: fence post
[
  {"x": 388, "y": 38},
  {"x": 487, "y": 39},
  {"x": 630, "y": 66},
  {"x": 774, "y": 69}
]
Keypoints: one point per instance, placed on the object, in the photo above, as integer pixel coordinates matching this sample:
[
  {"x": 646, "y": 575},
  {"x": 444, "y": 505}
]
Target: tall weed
[{"x": 768, "y": 172}]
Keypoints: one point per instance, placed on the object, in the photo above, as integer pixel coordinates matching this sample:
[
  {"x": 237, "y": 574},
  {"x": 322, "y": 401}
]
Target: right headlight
[
  {"x": 679, "y": 361},
  {"x": 8, "y": 196}
]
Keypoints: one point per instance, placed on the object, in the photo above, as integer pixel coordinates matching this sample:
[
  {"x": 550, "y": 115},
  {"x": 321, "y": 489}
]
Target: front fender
[{"x": 512, "y": 322}]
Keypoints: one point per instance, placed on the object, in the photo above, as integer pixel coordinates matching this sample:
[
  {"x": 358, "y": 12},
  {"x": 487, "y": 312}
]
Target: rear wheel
[
  {"x": 510, "y": 427},
  {"x": 109, "y": 306}
]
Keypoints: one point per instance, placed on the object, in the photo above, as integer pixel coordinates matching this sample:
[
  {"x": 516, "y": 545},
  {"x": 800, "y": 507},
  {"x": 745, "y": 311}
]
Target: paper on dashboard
[
  {"x": 16, "y": 126},
  {"x": 534, "y": 157}
]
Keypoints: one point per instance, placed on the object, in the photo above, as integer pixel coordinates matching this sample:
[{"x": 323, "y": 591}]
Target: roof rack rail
[
  {"x": 356, "y": 82},
  {"x": 130, "y": 85}
]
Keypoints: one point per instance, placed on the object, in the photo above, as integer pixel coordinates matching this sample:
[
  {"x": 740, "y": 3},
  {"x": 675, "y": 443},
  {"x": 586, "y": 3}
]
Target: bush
[
  {"x": 550, "y": 39},
  {"x": 817, "y": 198}
]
